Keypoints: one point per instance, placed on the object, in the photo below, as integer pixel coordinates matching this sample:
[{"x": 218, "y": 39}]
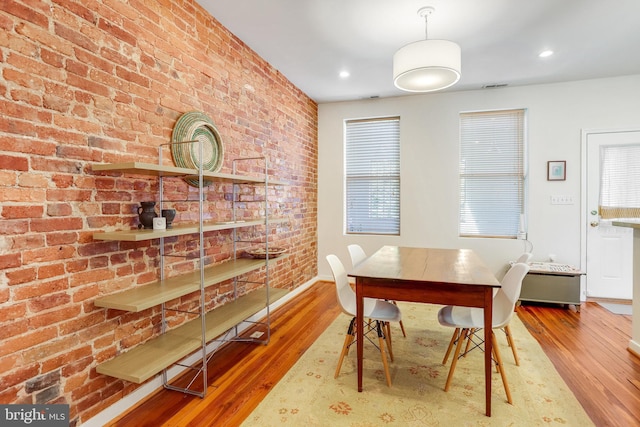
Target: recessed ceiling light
[
  {"x": 344, "y": 74},
  {"x": 545, "y": 53}
]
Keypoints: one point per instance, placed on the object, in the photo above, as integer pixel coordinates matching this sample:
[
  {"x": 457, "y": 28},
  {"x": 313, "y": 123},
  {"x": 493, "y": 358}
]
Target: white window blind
[
  {"x": 372, "y": 156},
  {"x": 620, "y": 181},
  {"x": 492, "y": 173}
]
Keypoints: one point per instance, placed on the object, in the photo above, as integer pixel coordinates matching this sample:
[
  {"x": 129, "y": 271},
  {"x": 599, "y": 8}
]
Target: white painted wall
[{"x": 429, "y": 138}]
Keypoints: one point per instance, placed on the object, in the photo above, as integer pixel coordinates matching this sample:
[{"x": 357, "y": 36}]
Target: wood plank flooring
[
  {"x": 587, "y": 348},
  {"x": 241, "y": 374}
]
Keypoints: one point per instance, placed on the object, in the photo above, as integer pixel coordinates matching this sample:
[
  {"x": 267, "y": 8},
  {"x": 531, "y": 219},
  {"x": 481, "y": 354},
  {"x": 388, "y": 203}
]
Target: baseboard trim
[
  {"x": 154, "y": 385},
  {"x": 634, "y": 348}
]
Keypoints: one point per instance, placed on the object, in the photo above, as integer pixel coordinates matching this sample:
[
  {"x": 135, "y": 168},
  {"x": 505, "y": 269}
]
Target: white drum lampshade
[{"x": 427, "y": 65}]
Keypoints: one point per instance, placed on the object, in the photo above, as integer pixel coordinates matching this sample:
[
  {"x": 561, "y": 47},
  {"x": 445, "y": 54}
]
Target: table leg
[
  {"x": 359, "y": 329},
  {"x": 488, "y": 312}
]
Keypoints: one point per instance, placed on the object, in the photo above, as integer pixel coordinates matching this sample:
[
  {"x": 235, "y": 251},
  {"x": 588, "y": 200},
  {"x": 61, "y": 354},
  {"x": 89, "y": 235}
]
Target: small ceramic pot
[{"x": 169, "y": 214}]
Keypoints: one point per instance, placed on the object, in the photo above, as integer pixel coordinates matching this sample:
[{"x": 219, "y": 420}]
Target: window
[
  {"x": 372, "y": 155},
  {"x": 492, "y": 173},
  {"x": 620, "y": 181}
]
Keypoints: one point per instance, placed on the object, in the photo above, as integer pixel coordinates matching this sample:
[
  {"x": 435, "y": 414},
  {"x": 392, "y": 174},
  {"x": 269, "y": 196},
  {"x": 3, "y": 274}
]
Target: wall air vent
[{"x": 495, "y": 85}]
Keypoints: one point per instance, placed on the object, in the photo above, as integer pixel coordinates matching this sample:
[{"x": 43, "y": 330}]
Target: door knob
[{"x": 594, "y": 223}]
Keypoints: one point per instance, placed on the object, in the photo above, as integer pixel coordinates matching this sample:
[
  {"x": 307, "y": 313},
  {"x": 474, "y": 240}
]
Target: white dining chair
[
  {"x": 378, "y": 311},
  {"x": 524, "y": 258},
  {"x": 468, "y": 319},
  {"x": 357, "y": 256}
]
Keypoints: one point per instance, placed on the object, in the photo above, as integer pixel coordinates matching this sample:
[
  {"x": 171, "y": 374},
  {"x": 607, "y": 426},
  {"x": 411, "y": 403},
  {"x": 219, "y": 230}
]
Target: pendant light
[{"x": 426, "y": 65}]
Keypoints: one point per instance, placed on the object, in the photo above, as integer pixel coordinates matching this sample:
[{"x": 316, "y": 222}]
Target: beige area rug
[{"x": 309, "y": 395}]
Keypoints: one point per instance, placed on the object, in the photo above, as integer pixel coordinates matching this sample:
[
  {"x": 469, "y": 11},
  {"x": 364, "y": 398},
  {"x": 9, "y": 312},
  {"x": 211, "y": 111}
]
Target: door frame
[{"x": 584, "y": 217}]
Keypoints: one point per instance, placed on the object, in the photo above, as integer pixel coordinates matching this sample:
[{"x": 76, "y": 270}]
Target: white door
[{"x": 609, "y": 250}]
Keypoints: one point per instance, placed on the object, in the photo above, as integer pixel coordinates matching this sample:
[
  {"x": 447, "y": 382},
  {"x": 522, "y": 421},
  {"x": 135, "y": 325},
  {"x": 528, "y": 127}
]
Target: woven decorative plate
[
  {"x": 197, "y": 127},
  {"x": 262, "y": 253}
]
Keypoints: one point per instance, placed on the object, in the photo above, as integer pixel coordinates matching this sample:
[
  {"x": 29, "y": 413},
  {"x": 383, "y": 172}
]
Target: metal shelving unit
[{"x": 220, "y": 324}]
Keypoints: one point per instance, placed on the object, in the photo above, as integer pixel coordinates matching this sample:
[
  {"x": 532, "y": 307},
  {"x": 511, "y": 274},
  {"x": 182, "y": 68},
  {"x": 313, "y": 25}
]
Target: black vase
[{"x": 146, "y": 213}]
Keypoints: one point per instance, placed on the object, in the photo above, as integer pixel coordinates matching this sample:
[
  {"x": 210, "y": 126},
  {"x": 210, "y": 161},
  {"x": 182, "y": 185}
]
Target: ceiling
[{"x": 311, "y": 41}]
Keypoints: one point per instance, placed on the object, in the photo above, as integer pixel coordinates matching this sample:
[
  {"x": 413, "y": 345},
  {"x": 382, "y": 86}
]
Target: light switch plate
[{"x": 561, "y": 200}]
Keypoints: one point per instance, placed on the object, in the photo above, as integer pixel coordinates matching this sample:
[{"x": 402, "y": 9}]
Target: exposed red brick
[
  {"x": 24, "y": 12},
  {"x": 27, "y": 340},
  {"x": 48, "y": 254},
  {"x": 75, "y": 37},
  {"x": 78, "y": 9},
  {"x": 76, "y": 265},
  {"x": 50, "y": 270},
  {"x": 26, "y": 96},
  {"x": 18, "y": 376},
  {"x": 51, "y": 348},
  {"x": 63, "y": 238},
  {"x": 14, "y": 163},
  {"x": 41, "y": 288},
  {"x": 91, "y": 277},
  {"x": 55, "y": 316},
  {"x": 59, "y": 209},
  {"x": 23, "y": 275},
  {"x": 99, "y": 84},
  {"x": 15, "y": 227},
  {"x": 61, "y": 360},
  {"x": 61, "y": 181},
  {"x": 52, "y": 58},
  {"x": 28, "y": 241},
  {"x": 32, "y": 181},
  {"x": 57, "y": 165},
  {"x": 55, "y": 224},
  {"x": 46, "y": 302},
  {"x": 10, "y": 313},
  {"x": 83, "y": 293},
  {"x": 117, "y": 32},
  {"x": 82, "y": 323},
  {"x": 79, "y": 129},
  {"x": 12, "y": 260}
]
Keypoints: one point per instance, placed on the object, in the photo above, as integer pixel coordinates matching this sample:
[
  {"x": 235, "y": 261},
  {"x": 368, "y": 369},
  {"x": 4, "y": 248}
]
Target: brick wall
[{"x": 100, "y": 81}]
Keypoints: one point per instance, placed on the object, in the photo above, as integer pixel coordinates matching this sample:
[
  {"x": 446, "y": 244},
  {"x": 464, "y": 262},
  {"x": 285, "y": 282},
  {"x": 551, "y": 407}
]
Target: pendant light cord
[
  {"x": 426, "y": 26},
  {"x": 425, "y": 12}
]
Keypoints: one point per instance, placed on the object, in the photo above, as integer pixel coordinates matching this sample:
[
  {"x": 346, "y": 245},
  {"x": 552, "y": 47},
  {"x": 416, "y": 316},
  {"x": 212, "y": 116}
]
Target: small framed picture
[{"x": 556, "y": 170}]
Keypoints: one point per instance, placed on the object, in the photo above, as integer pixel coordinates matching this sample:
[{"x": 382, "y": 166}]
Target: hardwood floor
[
  {"x": 587, "y": 348},
  {"x": 241, "y": 374}
]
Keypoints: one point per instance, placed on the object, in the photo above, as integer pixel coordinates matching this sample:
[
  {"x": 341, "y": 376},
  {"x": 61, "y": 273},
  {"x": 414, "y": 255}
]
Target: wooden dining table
[{"x": 427, "y": 275}]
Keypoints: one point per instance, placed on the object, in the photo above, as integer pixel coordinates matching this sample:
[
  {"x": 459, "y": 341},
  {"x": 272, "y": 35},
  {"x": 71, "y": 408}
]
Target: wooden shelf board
[
  {"x": 138, "y": 235},
  {"x": 151, "y": 357},
  {"x": 142, "y": 168},
  {"x": 147, "y": 296}
]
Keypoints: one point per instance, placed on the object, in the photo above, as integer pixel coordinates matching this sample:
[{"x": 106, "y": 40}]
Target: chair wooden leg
[
  {"x": 496, "y": 353},
  {"x": 348, "y": 340},
  {"x": 454, "y": 362},
  {"x": 381, "y": 342},
  {"x": 388, "y": 339},
  {"x": 404, "y": 334},
  {"x": 507, "y": 331},
  {"x": 454, "y": 337}
]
